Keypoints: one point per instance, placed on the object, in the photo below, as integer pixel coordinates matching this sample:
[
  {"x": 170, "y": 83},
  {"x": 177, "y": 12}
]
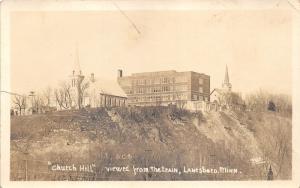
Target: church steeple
[
  {"x": 226, "y": 84},
  {"x": 77, "y": 68},
  {"x": 226, "y": 79},
  {"x": 77, "y": 79},
  {"x": 77, "y": 76}
]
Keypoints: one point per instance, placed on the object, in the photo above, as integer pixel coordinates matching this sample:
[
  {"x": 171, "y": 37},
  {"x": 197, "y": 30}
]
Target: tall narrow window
[
  {"x": 200, "y": 89},
  {"x": 200, "y": 81}
]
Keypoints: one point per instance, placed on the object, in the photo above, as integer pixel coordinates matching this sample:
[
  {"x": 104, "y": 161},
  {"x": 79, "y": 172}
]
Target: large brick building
[{"x": 164, "y": 87}]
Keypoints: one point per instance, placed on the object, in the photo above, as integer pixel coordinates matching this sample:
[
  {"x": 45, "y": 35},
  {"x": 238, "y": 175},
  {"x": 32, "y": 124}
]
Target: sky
[{"x": 255, "y": 45}]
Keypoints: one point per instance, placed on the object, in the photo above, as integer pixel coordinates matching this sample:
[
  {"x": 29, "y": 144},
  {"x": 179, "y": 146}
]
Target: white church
[
  {"x": 220, "y": 99},
  {"x": 224, "y": 97},
  {"x": 98, "y": 92}
]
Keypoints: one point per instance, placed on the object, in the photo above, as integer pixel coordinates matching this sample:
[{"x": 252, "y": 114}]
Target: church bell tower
[{"x": 77, "y": 77}]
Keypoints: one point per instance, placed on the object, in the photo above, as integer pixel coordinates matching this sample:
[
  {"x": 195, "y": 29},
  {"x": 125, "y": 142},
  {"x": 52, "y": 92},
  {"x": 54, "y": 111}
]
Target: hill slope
[{"x": 150, "y": 136}]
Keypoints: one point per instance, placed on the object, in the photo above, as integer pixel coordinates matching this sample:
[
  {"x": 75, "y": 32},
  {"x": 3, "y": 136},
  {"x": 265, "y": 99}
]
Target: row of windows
[
  {"x": 196, "y": 97},
  {"x": 159, "y": 98},
  {"x": 111, "y": 100},
  {"x": 141, "y": 90},
  {"x": 162, "y": 80},
  {"x": 157, "y": 89}
]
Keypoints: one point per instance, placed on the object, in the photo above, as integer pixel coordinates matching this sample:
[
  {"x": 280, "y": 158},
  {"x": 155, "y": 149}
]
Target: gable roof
[
  {"x": 216, "y": 90},
  {"x": 109, "y": 87}
]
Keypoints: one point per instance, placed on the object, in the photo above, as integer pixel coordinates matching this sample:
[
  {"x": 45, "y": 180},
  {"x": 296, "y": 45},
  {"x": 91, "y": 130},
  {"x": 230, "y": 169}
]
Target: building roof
[
  {"x": 109, "y": 87},
  {"x": 155, "y": 73},
  {"x": 163, "y": 73},
  {"x": 217, "y": 90}
]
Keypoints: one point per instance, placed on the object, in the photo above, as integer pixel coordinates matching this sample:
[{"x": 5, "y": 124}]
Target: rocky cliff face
[{"x": 147, "y": 137}]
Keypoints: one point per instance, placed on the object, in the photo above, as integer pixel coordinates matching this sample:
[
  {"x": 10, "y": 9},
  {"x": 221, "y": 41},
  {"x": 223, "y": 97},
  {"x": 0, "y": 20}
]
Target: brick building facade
[{"x": 164, "y": 87}]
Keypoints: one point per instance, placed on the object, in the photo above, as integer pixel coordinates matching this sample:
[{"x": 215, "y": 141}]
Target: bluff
[{"x": 150, "y": 136}]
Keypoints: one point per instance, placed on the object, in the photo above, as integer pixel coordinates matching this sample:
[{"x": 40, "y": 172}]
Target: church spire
[
  {"x": 77, "y": 76},
  {"x": 226, "y": 79},
  {"x": 226, "y": 84},
  {"x": 77, "y": 68}
]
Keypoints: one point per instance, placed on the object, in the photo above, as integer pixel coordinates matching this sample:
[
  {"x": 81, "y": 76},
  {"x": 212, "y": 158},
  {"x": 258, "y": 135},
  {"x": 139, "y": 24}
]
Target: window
[
  {"x": 201, "y": 81},
  {"x": 139, "y": 90},
  {"x": 165, "y": 80},
  {"x": 73, "y": 82},
  {"x": 165, "y": 88},
  {"x": 156, "y": 89},
  {"x": 168, "y": 97},
  {"x": 200, "y": 89},
  {"x": 195, "y": 97}
]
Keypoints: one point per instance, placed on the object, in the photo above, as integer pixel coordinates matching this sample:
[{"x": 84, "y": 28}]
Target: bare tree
[
  {"x": 46, "y": 95},
  {"x": 67, "y": 99},
  {"x": 230, "y": 99},
  {"x": 38, "y": 103},
  {"x": 260, "y": 100},
  {"x": 257, "y": 101},
  {"x": 63, "y": 96},
  {"x": 82, "y": 88},
  {"x": 20, "y": 102}
]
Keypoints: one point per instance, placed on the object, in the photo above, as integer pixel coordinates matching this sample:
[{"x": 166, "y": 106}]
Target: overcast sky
[{"x": 256, "y": 46}]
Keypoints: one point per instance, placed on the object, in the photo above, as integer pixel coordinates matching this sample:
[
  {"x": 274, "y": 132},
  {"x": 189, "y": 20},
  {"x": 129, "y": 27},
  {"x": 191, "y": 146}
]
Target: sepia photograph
[{"x": 149, "y": 94}]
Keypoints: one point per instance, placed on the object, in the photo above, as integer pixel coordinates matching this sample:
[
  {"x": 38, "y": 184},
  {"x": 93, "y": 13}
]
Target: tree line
[
  {"x": 263, "y": 100},
  {"x": 65, "y": 96}
]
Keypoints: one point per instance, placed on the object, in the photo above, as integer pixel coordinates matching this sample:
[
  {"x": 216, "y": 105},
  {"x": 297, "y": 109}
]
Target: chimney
[
  {"x": 92, "y": 77},
  {"x": 120, "y": 73}
]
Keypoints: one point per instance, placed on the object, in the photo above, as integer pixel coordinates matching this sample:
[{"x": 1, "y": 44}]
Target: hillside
[{"x": 150, "y": 136}]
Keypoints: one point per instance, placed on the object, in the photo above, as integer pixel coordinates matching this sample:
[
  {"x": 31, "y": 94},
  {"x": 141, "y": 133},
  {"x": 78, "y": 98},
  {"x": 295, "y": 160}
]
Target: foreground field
[{"x": 124, "y": 143}]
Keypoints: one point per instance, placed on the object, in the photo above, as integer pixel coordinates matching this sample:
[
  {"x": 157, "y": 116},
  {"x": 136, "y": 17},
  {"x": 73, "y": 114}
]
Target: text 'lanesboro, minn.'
[{"x": 175, "y": 170}]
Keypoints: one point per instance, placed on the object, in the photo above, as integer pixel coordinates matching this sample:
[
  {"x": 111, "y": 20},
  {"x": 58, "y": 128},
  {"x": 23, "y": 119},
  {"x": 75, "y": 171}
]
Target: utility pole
[
  {"x": 26, "y": 169},
  {"x": 26, "y": 165}
]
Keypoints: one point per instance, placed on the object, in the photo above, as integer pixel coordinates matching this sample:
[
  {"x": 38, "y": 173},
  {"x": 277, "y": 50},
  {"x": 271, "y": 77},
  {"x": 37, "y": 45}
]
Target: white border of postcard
[{"x": 8, "y": 6}]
